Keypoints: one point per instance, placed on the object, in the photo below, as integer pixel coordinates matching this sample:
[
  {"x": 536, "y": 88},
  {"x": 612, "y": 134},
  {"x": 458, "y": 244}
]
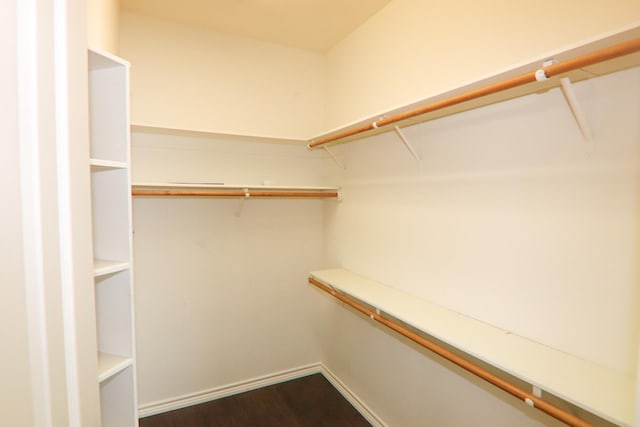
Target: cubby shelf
[
  {"x": 109, "y": 365},
  {"x": 599, "y": 390},
  {"x": 103, "y": 267},
  {"x": 101, "y": 164}
]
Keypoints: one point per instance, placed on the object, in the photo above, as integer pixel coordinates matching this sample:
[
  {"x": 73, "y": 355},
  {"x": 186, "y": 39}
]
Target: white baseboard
[
  {"x": 355, "y": 401},
  {"x": 179, "y": 402}
]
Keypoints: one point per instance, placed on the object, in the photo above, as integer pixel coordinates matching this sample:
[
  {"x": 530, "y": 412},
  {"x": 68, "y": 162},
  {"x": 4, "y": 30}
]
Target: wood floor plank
[
  {"x": 305, "y": 402},
  {"x": 304, "y": 396}
]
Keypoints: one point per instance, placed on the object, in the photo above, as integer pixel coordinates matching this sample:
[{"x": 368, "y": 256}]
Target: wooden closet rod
[
  {"x": 612, "y": 52},
  {"x": 237, "y": 193},
  {"x": 469, "y": 366}
]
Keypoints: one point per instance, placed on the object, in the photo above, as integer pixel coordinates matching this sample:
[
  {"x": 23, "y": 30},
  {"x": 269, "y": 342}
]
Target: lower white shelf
[
  {"x": 601, "y": 391},
  {"x": 109, "y": 365}
]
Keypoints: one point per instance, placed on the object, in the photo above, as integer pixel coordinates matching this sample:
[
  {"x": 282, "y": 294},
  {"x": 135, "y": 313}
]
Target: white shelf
[
  {"x": 221, "y": 186},
  {"x": 99, "y": 59},
  {"x": 109, "y": 365},
  {"x": 601, "y": 391},
  {"x": 102, "y": 164},
  {"x": 111, "y": 219},
  {"x": 103, "y": 267}
]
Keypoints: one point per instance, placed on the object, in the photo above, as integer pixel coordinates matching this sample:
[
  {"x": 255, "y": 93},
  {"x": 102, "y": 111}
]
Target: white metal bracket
[
  {"x": 340, "y": 165},
  {"x": 574, "y": 105},
  {"x": 406, "y": 143}
]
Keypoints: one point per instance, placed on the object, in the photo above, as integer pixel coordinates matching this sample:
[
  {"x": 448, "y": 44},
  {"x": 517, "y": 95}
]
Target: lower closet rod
[{"x": 512, "y": 389}]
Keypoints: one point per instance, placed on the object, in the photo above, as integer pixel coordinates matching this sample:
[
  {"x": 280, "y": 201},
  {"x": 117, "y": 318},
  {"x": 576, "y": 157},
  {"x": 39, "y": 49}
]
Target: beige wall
[
  {"x": 413, "y": 49},
  {"x": 103, "y": 25},
  {"x": 193, "y": 79}
]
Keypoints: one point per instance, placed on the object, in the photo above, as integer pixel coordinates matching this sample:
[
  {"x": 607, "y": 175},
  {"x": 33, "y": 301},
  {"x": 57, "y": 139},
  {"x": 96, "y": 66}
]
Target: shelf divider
[
  {"x": 103, "y": 164},
  {"x": 103, "y": 267},
  {"x": 109, "y": 365}
]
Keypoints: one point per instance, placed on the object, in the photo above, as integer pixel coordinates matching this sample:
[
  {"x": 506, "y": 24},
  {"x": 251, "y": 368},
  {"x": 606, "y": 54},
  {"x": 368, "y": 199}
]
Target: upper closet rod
[{"x": 612, "y": 52}]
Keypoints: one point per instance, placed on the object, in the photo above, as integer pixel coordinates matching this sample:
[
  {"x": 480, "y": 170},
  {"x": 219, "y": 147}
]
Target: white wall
[
  {"x": 413, "y": 49},
  {"x": 509, "y": 218},
  {"x": 194, "y": 79},
  {"x": 103, "y": 25},
  {"x": 221, "y": 293}
]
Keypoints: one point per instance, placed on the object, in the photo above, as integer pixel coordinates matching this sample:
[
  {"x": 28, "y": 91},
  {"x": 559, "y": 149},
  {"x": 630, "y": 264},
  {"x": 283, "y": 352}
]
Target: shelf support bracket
[
  {"x": 340, "y": 165},
  {"x": 406, "y": 143},
  {"x": 574, "y": 105}
]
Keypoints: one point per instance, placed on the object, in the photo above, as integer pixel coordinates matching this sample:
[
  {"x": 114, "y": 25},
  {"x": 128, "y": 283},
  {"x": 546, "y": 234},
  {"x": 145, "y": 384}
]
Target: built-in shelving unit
[
  {"x": 226, "y": 190},
  {"x": 599, "y": 390},
  {"x": 112, "y": 247}
]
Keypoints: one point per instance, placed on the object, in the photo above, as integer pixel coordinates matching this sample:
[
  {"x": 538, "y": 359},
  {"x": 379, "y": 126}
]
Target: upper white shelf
[{"x": 601, "y": 391}]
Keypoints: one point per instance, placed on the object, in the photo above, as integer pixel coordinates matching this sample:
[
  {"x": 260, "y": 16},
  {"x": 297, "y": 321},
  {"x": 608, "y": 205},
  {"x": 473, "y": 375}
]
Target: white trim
[
  {"x": 355, "y": 401},
  {"x": 33, "y": 251},
  {"x": 65, "y": 220},
  {"x": 255, "y": 383},
  {"x": 226, "y": 390}
]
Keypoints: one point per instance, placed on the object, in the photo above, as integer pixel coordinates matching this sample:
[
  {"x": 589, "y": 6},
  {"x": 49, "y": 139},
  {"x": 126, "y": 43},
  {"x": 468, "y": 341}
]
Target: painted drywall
[
  {"x": 221, "y": 293},
  {"x": 103, "y": 25},
  {"x": 510, "y": 218},
  {"x": 412, "y": 49},
  {"x": 194, "y": 79}
]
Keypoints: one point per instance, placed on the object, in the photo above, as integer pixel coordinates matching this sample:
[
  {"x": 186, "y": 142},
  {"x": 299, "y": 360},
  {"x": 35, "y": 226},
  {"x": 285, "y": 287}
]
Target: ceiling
[{"x": 315, "y": 25}]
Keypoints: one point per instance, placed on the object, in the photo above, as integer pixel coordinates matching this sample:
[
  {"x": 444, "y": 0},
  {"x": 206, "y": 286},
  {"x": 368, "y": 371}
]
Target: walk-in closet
[{"x": 426, "y": 212}]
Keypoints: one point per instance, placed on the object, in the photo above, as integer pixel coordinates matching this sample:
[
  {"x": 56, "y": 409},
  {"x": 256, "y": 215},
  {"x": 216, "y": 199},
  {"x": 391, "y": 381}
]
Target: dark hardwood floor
[{"x": 305, "y": 402}]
